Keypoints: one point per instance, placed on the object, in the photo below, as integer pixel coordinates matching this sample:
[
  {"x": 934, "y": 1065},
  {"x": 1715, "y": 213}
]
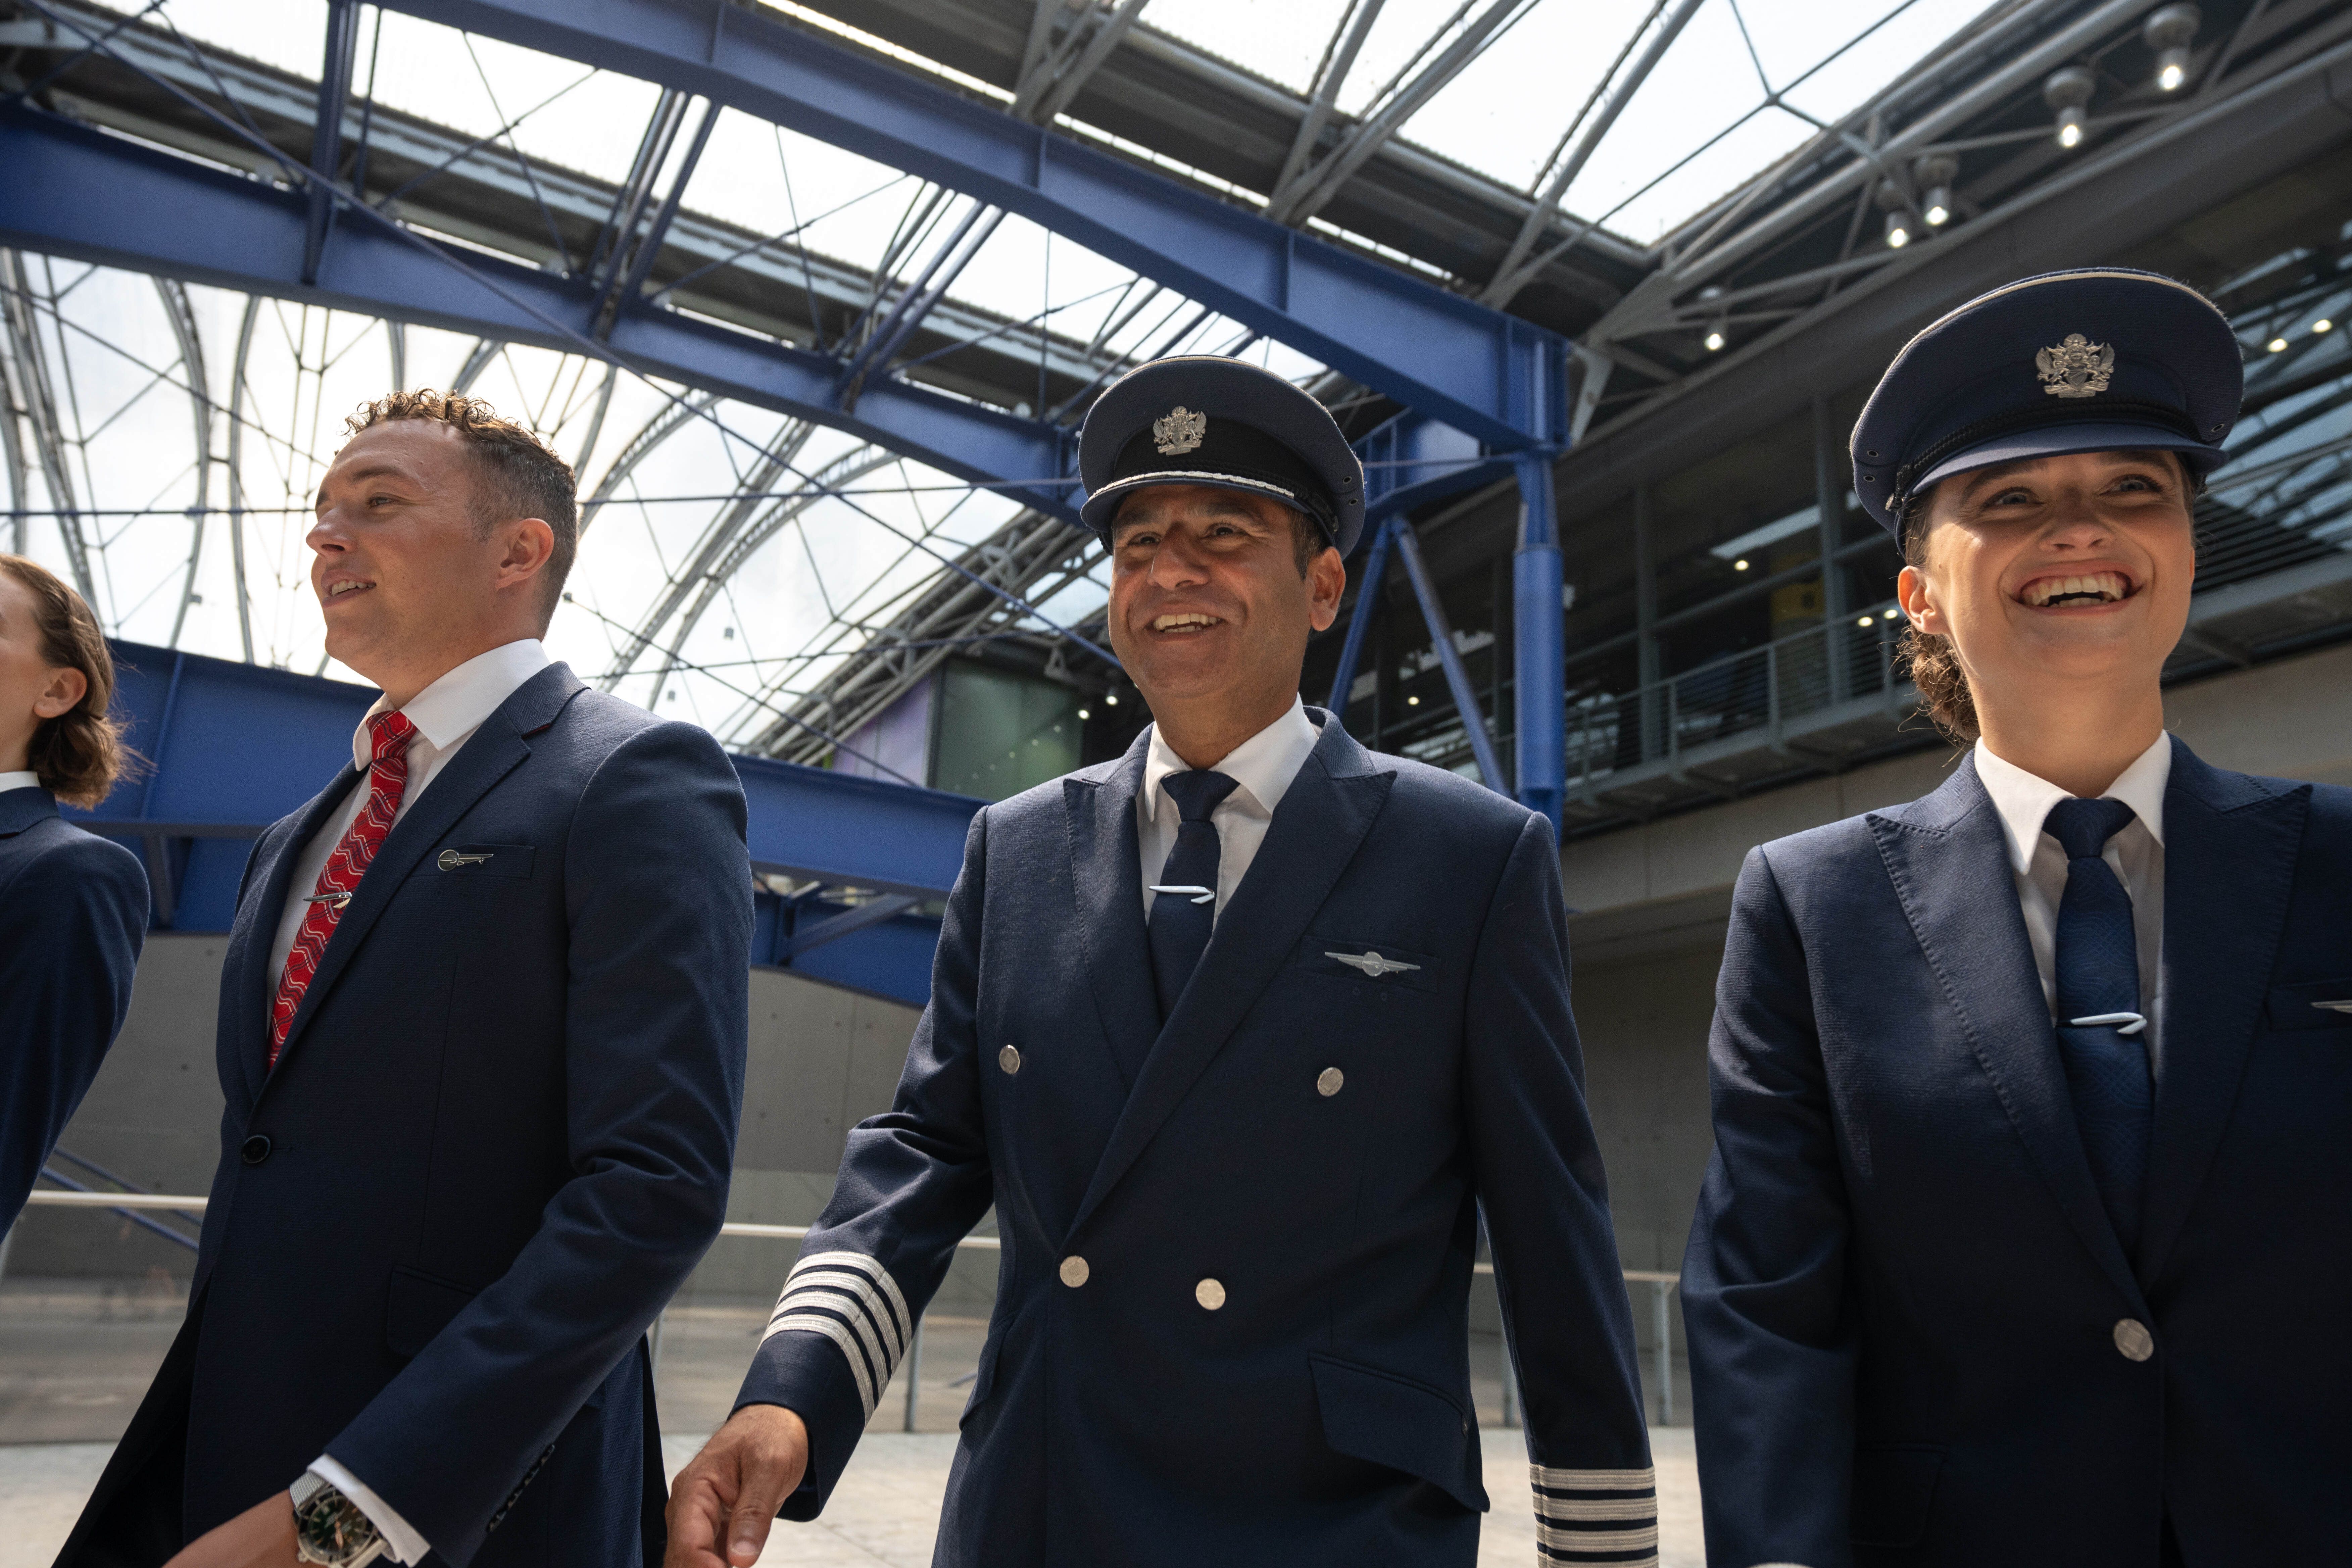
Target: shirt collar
[
  {"x": 2023, "y": 799},
  {"x": 19, "y": 780},
  {"x": 454, "y": 706},
  {"x": 1263, "y": 765}
]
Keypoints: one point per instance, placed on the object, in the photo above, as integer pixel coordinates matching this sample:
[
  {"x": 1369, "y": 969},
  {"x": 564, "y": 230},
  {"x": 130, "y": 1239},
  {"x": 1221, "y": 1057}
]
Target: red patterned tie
[{"x": 339, "y": 877}]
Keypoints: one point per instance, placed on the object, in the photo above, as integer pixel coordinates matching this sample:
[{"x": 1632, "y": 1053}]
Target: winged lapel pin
[
  {"x": 1371, "y": 964},
  {"x": 2343, "y": 1007}
]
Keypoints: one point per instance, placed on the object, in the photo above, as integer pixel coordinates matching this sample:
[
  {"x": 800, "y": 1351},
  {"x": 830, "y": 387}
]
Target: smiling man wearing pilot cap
[{"x": 1238, "y": 1035}]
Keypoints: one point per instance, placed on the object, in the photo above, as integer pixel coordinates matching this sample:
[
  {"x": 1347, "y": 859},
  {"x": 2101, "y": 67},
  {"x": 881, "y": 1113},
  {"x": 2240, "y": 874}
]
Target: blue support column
[
  {"x": 1359, "y": 625},
  {"x": 1540, "y": 643}
]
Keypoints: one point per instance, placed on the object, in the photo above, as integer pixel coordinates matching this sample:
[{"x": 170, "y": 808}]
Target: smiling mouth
[
  {"x": 345, "y": 589},
  {"x": 2086, "y": 588},
  {"x": 1187, "y": 625}
]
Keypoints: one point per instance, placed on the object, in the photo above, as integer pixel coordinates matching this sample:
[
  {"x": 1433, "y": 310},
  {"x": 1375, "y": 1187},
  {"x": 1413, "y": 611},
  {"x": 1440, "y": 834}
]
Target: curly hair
[
  {"x": 516, "y": 474},
  {"x": 1933, "y": 662},
  {"x": 78, "y": 755}
]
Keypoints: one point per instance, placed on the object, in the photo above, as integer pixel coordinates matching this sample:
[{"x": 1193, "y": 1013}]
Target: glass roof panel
[{"x": 1282, "y": 42}]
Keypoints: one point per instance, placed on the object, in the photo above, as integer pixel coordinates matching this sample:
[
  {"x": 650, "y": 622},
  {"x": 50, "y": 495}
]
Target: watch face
[{"x": 329, "y": 1529}]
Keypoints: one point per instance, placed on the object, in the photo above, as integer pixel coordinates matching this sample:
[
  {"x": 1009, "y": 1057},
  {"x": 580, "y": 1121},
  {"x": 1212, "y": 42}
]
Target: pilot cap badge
[
  {"x": 2075, "y": 368},
  {"x": 1181, "y": 431}
]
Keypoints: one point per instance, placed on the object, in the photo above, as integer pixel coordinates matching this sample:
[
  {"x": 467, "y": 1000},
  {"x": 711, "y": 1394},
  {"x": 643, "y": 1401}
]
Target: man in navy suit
[
  {"x": 1238, "y": 1035},
  {"x": 2027, "y": 1230},
  {"x": 73, "y": 906},
  {"x": 482, "y": 1030}
]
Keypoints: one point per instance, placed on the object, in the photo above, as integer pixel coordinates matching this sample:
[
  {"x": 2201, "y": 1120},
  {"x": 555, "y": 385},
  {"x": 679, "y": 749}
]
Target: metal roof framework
[{"x": 1079, "y": 115}]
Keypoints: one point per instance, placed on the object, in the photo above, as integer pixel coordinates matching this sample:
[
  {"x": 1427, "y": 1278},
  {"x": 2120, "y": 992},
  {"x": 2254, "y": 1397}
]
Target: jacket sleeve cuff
[
  {"x": 402, "y": 1543},
  {"x": 806, "y": 1372},
  {"x": 1596, "y": 1516}
]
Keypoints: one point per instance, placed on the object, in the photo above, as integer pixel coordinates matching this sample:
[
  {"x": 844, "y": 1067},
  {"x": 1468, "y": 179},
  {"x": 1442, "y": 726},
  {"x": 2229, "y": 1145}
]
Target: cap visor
[
  {"x": 2062, "y": 440},
  {"x": 1103, "y": 504}
]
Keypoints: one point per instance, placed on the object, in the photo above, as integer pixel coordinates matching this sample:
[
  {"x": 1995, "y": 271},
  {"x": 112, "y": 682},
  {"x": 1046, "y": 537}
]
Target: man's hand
[
  {"x": 260, "y": 1537},
  {"x": 731, "y": 1492}
]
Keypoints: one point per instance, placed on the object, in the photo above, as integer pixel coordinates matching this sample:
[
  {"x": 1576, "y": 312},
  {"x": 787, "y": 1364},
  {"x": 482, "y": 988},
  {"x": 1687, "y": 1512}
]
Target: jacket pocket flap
[
  {"x": 2312, "y": 1005},
  {"x": 1399, "y": 1422},
  {"x": 418, "y": 1307},
  {"x": 1893, "y": 1486}
]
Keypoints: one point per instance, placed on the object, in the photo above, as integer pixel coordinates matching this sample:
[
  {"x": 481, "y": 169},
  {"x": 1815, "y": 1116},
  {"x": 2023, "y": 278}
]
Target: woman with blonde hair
[
  {"x": 73, "y": 906},
  {"x": 2029, "y": 1219}
]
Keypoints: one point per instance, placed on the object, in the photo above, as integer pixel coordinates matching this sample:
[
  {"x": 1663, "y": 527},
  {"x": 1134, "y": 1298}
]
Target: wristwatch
[{"x": 329, "y": 1528}]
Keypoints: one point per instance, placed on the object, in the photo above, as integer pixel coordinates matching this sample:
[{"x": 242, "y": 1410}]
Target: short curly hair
[
  {"x": 516, "y": 473},
  {"x": 79, "y": 754}
]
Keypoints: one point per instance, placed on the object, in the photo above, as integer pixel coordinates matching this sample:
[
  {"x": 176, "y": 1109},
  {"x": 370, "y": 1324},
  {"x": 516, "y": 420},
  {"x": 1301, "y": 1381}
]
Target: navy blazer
[
  {"x": 73, "y": 915},
  {"x": 498, "y": 1139},
  {"x": 1901, "y": 1293},
  {"x": 1231, "y": 1312}
]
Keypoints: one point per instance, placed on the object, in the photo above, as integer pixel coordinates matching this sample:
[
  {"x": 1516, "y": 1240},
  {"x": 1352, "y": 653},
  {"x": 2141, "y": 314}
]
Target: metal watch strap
[{"x": 329, "y": 1529}]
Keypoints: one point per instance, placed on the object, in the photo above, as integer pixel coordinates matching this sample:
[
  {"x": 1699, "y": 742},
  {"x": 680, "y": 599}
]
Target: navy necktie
[
  {"x": 2101, "y": 1037},
  {"x": 1186, "y": 908}
]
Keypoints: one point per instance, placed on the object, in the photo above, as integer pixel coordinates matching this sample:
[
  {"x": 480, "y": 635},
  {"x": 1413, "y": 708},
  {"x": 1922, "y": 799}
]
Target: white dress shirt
[
  {"x": 2039, "y": 863},
  {"x": 19, "y": 781},
  {"x": 446, "y": 713},
  {"x": 1262, "y": 766}
]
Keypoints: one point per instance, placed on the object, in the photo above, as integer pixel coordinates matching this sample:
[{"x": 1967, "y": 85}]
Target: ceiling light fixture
[
  {"x": 1935, "y": 174},
  {"x": 1900, "y": 225},
  {"x": 2167, "y": 33},
  {"x": 2068, "y": 90},
  {"x": 1719, "y": 327},
  {"x": 2321, "y": 325}
]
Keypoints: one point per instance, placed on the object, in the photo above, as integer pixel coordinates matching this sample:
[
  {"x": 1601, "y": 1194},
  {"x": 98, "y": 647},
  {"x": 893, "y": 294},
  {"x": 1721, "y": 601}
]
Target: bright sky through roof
[{"x": 833, "y": 578}]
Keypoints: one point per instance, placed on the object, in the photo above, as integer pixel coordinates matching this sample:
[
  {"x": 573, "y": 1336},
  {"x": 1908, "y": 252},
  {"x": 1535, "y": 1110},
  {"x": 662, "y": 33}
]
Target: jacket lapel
[
  {"x": 493, "y": 751},
  {"x": 2230, "y": 848},
  {"x": 1106, "y": 879},
  {"x": 252, "y": 981},
  {"x": 1950, "y": 868},
  {"x": 1315, "y": 833}
]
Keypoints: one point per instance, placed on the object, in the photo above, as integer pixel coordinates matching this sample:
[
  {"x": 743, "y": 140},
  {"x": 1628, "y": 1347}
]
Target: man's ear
[
  {"x": 529, "y": 546},
  {"x": 1327, "y": 579}
]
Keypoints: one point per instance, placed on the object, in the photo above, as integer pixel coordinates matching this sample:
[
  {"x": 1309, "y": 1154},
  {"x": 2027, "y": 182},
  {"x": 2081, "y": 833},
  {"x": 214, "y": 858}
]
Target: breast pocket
[{"x": 2312, "y": 1005}]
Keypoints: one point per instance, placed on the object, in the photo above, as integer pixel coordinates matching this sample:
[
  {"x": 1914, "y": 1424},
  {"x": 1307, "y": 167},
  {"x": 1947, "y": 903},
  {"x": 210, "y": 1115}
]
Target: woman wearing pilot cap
[{"x": 2029, "y": 1219}]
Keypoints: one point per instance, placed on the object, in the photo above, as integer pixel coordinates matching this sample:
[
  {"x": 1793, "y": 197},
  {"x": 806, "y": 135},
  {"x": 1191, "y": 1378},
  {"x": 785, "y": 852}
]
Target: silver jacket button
[
  {"x": 1074, "y": 1272},
  {"x": 1329, "y": 1081},
  {"x": 2132, "y": 1338},
  {"x": 1009, "y": 1060},
  {"x": 1210, "y": 1294}
]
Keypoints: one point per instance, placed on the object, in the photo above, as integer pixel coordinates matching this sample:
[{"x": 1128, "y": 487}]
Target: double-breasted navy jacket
[
  {"x": 1231, "y": 1313},
  {"x": 73, "y": 915},
  {"x": 1914, "y": 1338},
  {"x": 498, "y": 1138}
]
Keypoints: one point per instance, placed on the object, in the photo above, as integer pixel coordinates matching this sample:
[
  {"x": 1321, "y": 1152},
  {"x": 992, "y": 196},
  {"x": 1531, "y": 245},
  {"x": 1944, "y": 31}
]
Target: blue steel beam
[
  {"x": 1485, "y": 372},
  {"x": 234, "y": 747},
  {"x": 175, "y": 217}
]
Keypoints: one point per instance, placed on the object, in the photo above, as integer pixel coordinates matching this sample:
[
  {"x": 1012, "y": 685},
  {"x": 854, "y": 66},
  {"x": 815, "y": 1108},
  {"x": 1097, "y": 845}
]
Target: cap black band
[
  {"x": 2107, "y": 411},
  {"x": 1229, "y": 449}
]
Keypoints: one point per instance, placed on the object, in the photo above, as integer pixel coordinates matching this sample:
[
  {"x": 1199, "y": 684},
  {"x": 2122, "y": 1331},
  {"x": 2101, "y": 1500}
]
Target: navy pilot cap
[
  {"x": 2100, "y": 359},
  {"x": 1200, "y": 419}
]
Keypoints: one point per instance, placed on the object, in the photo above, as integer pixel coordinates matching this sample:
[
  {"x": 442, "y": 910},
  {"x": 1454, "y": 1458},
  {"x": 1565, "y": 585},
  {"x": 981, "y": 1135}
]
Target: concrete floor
[{"x": 76, "y": 1357}]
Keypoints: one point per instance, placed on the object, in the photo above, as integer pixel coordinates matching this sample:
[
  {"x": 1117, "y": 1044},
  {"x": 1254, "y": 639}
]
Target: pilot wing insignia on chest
[{"x": 1371, "y": 964}]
